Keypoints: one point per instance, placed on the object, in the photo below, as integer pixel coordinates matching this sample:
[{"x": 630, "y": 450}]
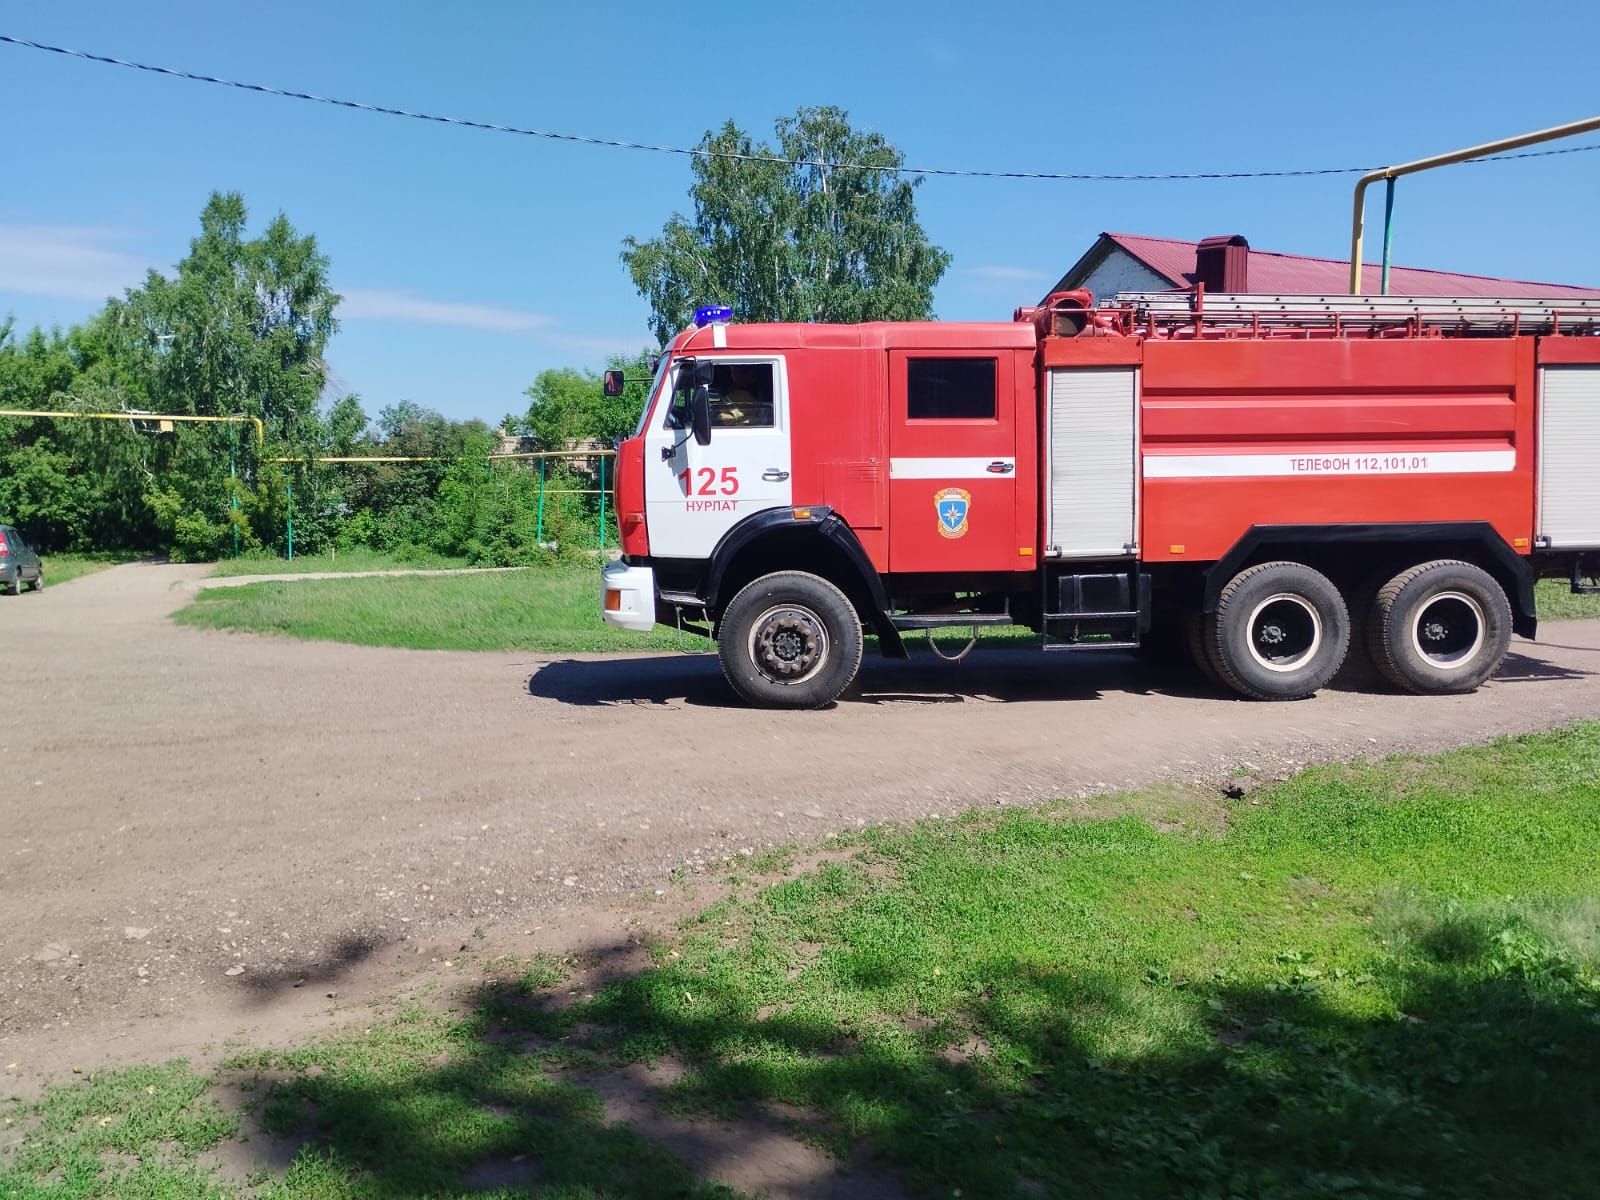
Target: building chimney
[{"x": 1222, "y": 264}]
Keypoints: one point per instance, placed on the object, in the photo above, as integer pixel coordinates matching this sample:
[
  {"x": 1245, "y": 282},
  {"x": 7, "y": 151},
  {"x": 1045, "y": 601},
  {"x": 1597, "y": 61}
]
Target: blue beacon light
[{"x": 712, "y": 314}]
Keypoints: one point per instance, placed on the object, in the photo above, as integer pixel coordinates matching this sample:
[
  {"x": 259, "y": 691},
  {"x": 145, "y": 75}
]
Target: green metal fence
[{"x": 599, "y": 457}]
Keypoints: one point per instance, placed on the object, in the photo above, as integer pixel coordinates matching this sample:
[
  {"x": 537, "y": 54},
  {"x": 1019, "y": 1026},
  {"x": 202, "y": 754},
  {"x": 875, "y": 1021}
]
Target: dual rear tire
[
  {"x": 1440, "y": 627},
  {"x": 1281, "y": 630}
]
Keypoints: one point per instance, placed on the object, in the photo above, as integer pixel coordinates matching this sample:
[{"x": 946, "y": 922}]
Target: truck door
[
  {"x": 952, "y": 461},
  {"x": 694, "y": 494}
]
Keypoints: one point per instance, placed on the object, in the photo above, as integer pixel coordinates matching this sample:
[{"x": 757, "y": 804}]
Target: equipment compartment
[{"x": 1569, "y": 456}]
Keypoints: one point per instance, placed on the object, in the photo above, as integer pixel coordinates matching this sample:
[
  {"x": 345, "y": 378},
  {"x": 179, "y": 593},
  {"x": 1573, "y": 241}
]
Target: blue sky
[{"x": 471, "y": 261}]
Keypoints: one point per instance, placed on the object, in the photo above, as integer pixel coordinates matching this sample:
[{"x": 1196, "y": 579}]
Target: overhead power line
[{"x": 701, "y": 152}]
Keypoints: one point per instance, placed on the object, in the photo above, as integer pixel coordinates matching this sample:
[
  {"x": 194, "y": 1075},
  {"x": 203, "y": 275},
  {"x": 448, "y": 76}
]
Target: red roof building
[{"x": 1130, "y": 262}]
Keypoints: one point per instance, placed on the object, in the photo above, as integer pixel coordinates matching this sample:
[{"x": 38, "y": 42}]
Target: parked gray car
[{"x": 19, "y": 565}]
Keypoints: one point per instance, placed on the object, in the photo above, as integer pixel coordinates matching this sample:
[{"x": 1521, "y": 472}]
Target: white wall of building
[{"x": 1121, "y": 272}]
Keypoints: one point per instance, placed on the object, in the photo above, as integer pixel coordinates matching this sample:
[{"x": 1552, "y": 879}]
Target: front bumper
[{"x": 628, "y": 597}]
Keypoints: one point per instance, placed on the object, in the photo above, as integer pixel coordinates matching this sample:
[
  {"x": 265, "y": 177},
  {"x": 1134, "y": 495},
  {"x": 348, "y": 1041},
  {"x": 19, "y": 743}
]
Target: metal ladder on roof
[{"x": 1470, "y": 313}]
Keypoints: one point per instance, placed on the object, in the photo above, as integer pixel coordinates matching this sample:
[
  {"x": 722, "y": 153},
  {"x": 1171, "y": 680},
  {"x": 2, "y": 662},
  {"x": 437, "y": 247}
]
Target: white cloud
[
  {"x": 67, "y": 262},
  {"x": 601, "y": 345},
  {"x": 403, "y": 307},
  {"x": 1006, "y": 274},
  {"x": 380, "y": 304}
]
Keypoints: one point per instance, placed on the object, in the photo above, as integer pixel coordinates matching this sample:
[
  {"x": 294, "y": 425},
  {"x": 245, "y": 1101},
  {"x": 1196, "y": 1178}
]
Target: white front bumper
[{"x": 634, "y": 604}]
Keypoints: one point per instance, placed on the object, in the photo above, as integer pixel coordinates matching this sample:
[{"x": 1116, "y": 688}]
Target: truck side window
[
  {"x": 741, "y": 396},
  {"x": 950, "y": 389}
]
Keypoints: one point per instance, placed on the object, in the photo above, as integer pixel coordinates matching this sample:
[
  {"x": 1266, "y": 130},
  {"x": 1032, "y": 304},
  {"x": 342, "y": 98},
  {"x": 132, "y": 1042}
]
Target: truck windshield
[{"x": 682, "y": 390}]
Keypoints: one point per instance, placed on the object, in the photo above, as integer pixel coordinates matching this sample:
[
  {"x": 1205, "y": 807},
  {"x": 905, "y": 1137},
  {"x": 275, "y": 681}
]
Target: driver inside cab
[{"x": 742, "y": 395}]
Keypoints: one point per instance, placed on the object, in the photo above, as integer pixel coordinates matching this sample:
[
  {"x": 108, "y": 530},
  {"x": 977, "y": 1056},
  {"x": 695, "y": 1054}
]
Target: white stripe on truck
[
  {"x": 951, "y": 468},
  {"x": 1331, "y": 462}
]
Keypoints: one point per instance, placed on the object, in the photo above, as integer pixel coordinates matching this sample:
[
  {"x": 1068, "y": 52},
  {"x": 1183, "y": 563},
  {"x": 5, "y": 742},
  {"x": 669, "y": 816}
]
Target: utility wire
[{"x": 701, "y": 152}]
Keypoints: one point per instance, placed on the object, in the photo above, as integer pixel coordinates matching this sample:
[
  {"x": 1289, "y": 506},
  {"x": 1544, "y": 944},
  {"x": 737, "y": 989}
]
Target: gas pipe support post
[
  {"x": 538, "y": 531},
  {"x": 233, "y": 487},
  {"x": 602, "y": 502},
  {"x": 290, "y": 488},
  {"x": 1388, "y": 233},
  {"x": 1587, "y": 125}
]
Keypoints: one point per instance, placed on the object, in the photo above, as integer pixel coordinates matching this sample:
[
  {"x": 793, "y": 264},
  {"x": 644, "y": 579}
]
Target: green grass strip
[
  {"x": 360, "y": 559},
  {"x": 63, "y": 568},
  {"x": 555, "y": 610}
]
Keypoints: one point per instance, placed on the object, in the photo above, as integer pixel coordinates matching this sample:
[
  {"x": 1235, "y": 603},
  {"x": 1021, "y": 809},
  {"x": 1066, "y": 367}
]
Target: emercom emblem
[{"x": 952, "y": 505}]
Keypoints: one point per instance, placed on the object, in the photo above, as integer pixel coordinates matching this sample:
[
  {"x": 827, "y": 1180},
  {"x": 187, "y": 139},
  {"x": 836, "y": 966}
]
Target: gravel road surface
[{"x": 192, "y": 818}]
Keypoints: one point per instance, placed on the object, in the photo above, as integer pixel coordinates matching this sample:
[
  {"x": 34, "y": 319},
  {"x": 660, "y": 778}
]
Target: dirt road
[{"x": 191, "y": 818}]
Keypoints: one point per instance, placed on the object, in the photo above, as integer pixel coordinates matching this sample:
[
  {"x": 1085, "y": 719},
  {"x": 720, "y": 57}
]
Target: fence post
[
  {"x": 538, "y": 533},
  {"x": 602, "y": 502}
]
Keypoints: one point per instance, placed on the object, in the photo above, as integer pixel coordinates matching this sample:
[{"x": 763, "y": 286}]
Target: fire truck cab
[{"x": 1266, "y": 482}]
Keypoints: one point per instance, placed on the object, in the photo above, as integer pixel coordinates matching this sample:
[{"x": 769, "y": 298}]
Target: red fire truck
[{"x": 1271, "y": 481}]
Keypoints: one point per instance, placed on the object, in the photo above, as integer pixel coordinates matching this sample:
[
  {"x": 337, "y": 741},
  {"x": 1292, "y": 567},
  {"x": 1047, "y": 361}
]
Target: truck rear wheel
[
  {"x": 790, "y": 640},
  {"x": 1440, "y": 627},
  {"x": 1280, "y": 632}
]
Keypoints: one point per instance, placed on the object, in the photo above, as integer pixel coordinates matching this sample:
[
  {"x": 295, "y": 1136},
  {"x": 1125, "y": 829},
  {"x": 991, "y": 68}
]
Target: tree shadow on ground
[{"x": 1042, "y": 1082}]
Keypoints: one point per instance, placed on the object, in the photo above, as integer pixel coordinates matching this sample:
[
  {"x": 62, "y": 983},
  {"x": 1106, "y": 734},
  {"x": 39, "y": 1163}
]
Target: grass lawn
[
  {"x": 554, "y": 610},
  {"x": 63, "y": 568},
  {"x": 1557, "y": 603},
  {"x": 1372, "y": 980},
  {"x": 349, "y": 560}
]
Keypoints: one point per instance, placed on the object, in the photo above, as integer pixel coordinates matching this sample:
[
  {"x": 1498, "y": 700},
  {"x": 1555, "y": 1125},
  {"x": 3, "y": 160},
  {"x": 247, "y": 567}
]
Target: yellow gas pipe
[{"x": 1443, "y": 160}]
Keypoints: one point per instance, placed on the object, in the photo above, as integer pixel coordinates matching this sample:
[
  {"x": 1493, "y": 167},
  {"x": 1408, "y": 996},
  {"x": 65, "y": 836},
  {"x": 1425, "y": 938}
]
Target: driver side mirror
[
  {"x": 700, "y": 414},
  {"x": 700, "y": 402},
  {"x": 613, "y": 383}
]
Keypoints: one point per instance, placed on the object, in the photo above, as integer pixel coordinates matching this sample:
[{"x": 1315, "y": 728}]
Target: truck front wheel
[
  {"x": 1280, "y": 631},
  {"x": 789, "y": 640},
  {"x": 1440, "y": 627}
]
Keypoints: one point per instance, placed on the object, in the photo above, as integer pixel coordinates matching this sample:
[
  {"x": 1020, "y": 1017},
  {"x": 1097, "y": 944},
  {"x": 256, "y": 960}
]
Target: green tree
[
  {"x": 567, "y": 405},
  {"x": 829, "y": 240},
  {"x": 69, "y": 484},
  {"x": 240, "y": 329},
  {"x": 562, "y": 406},
  {"x": 393, "y": 506},
  {"x": 346, "y": 425}
]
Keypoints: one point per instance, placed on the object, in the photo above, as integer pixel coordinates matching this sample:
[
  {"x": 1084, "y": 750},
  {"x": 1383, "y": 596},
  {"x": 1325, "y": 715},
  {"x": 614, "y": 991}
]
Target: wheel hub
[
  {"x": 1450, "y": 630},
  {"x": 1285, "y": 632},
  {"x": 788, "y": 644}
]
